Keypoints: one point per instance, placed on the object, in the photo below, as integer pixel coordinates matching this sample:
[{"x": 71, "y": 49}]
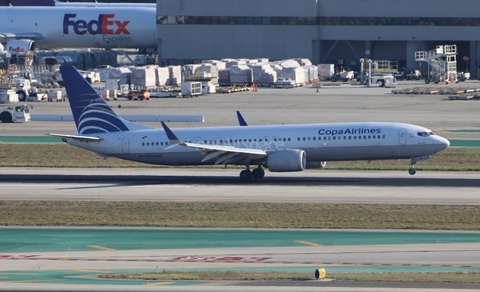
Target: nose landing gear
[{"x": 414, "y": 160}]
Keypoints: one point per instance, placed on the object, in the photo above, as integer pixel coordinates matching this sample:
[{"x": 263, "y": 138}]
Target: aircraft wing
[
  {"x": 21, "y": 35},
  {"x": 81, "y": 138},
  {"x": 226, "y": 154},
  {"x": 223, "y": 154}
]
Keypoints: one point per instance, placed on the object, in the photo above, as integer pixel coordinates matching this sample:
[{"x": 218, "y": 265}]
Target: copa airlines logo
[
  {"x": 334, "y": 132},
  {"x": 105, "y": 24},
  {"x": 98, "y": 117}
]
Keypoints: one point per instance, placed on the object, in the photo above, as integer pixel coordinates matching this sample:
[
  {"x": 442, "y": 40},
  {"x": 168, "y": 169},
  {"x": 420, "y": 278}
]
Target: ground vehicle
[
  {"x": 16, "y": 114},
  {"x": 399, "y": 75},
  {"x": 462, "y": 76},
  {"x": 284, "y": 82},
  {"x": 24, "y": 89},
  {"x": 142, "y": 94},
  {"x": 90, "y": 76},
  {"x": 414, "y": 75},
  {"x": 383, "y": 80}
]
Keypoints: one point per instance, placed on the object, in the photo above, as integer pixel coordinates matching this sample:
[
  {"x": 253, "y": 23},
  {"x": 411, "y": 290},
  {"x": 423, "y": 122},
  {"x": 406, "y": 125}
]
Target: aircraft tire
[
  {"x": 246, "y": 175},
  {"x": 258, "y": 173}
]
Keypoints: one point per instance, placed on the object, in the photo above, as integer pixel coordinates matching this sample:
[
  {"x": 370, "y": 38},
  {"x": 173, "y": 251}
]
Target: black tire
[
  {"x": 427, "y": 81},
  {"x": 258, "y": 173},
  {"x": 6, "y": 117},
  {"x": 381, "y": 83},
  {"x": 246, "y": 175},
  {"x": 22, "y": 96},
  {"x": 333, "y": 79}
]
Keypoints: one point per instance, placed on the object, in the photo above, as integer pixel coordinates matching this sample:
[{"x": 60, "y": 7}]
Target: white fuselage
[
  {"x": 83, "y": 27},
  {"x": 321, "y": 142}
]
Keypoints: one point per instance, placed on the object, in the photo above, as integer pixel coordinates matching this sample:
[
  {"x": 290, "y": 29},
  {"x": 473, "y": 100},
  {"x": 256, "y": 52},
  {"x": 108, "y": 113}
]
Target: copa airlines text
[{"x": 280, "y": 148}]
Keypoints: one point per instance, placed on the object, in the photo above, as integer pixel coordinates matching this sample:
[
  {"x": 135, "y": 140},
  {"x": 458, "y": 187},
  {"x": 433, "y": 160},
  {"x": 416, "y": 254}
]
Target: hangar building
[{"x": 325, "y": 31}]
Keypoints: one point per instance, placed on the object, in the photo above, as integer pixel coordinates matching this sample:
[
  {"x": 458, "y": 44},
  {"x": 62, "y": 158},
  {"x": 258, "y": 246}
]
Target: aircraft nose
[{"x": 442, "y": 142}]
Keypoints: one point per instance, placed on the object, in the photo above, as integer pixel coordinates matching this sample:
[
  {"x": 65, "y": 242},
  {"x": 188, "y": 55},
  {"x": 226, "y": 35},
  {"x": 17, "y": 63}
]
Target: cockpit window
[{"x": 425, "y": 134}]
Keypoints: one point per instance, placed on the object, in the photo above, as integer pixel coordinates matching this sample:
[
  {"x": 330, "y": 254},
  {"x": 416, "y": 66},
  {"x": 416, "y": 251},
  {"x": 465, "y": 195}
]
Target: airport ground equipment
[
  {"x": 15, "y": 114},
  {"x": 191, "y": 89},
  {"x": 383, "y": 80},
  {"x": 442, "y": 63}
]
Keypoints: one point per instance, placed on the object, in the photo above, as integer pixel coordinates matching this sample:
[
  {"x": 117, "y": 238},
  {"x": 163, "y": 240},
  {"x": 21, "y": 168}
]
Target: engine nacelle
[
  {"x": 20, "y": 46},
  {"x": 287, "y": 160}
]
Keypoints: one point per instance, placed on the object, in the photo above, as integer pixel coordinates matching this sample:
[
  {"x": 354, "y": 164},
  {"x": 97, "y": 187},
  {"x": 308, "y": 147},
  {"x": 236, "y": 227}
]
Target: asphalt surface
[{"x": 452, "y": 119}]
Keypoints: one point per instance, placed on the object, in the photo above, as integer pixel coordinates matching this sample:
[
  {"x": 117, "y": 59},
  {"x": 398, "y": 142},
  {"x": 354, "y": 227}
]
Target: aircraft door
[
  {"x": 126, "y": 145},
  {"x": 402, "y": 137}
]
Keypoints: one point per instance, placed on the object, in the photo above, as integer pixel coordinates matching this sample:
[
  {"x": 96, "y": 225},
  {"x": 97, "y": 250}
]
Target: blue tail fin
[{"x": 91, "y": 113}]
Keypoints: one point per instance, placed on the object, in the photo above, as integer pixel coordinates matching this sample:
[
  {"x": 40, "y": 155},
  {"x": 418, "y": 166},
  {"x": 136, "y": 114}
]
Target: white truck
[
  {"x": 90, "y": 76},
  {"x": 15, "y": 114},
  {"x": 383, "y": 80},
  {"x": 25, "y": 91}
]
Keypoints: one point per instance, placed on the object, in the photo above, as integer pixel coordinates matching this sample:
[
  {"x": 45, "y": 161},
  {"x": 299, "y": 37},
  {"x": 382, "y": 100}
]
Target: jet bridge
[{"x": 442, "y": 63}]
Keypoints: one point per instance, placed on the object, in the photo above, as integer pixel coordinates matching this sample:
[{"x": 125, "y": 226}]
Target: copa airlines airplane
[
  {"x": 280, "y": 148},
  {"x": 27, "y": 28}
]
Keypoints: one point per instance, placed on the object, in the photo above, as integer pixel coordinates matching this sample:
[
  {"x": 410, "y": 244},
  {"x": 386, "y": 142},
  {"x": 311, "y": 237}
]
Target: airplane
[
  {"x": 280, "y": 148},
  {"x": 70, "y": 4},
  {"x": 28, "y": 28}
]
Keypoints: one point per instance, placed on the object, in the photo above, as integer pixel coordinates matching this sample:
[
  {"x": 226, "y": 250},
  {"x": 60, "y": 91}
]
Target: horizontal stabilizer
[{"x": 82, "y": 138}]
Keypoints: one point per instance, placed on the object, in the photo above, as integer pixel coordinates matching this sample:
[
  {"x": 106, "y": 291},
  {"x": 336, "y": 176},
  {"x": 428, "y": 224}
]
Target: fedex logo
[
  {"x": 105, "y": 24},
  {"x": 16, "y": 50}
]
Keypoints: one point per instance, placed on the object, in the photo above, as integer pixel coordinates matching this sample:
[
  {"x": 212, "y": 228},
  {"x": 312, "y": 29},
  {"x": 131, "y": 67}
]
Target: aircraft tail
[{"x": 91, "y": 113}]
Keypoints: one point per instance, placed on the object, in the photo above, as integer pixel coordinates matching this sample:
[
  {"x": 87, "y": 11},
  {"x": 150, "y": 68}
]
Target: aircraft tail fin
[{"x": 91, "y": 113}]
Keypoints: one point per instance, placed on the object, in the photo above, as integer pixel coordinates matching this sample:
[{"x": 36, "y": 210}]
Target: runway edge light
[{"x": 320, "y": 273}]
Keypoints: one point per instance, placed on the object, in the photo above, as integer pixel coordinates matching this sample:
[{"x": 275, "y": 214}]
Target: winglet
[
  {"x": 171, "y": 136},
  {"x": 241, "y": 120}
]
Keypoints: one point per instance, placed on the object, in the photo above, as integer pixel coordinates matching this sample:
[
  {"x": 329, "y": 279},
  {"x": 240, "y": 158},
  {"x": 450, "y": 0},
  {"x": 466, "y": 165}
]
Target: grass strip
[
  {"x": 64, "y": 155},
  {"x": 239, "y": 215},
  {"x": 254, "y": 276}
]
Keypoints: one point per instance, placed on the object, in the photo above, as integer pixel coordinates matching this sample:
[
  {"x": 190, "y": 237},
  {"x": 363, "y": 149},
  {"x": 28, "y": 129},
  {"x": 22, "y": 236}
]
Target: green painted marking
[
  {"x": 463, "y": 131},
  {"x": 465, "y": 143},
  {"x": 14, "y": 240},
  {"x": 30, "y": 139}
]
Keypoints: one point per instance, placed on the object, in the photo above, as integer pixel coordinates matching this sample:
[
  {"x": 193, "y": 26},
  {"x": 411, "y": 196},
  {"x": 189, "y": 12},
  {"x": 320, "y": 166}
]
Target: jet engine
[
  {"x": 20, "y": 46},
  {"x": 287, "y": 160}
]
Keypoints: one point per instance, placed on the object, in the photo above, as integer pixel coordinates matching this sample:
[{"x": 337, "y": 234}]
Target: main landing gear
[
  {"x": 247, "y": 174},
  {"x": 413, "y": 161}
]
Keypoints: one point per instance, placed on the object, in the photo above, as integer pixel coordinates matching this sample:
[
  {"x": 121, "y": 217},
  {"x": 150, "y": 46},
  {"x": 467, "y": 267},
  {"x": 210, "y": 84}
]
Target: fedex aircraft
[
  {"x": 59, "y": 3},
  {"x": 26, "y": 28},
  {"x": 280, "y": 148}
]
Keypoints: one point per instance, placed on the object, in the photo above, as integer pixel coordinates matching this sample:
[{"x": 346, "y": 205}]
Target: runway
[
  {"x": 75, "y": 270},
  {"x": 223, "y": 185}
]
